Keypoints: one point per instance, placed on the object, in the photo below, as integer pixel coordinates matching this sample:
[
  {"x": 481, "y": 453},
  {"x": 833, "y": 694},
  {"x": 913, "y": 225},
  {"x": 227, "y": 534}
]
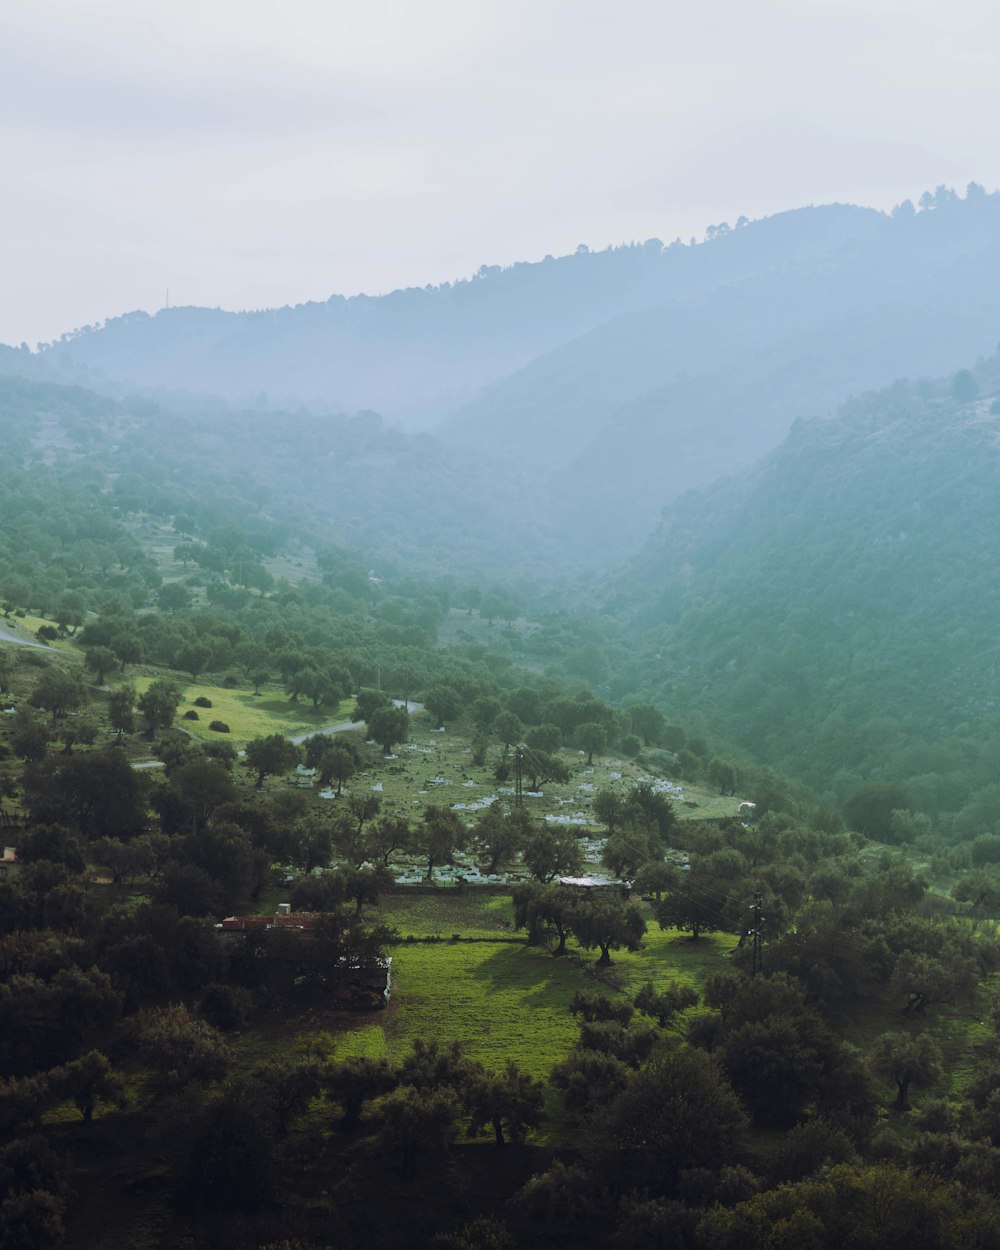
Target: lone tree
[
  {"x": 367, "y": 702},
  {"x": 648, "y": 722},
  {"x": 443, "y": 702},
  {"x": 336, "y": 758},
  {"x": 907, "y": 1059},
  {"x": 550, "y": 853},
  {"x": 500, "y": 833},
  {"x": 695, "y": 907},
  {"x": 608, "y": 924},
  {"x": 540, "y": 908},
  {"x": 100, "y": 661},
  {"x": 389, "y": 725},
  {"x": 950, "y": 976},
  {"x": 591, "y": 737},
  {"x": 90, "y": 1080},
  {"x": 121, "y": 710},
  {"x": 271, "y": 755}
]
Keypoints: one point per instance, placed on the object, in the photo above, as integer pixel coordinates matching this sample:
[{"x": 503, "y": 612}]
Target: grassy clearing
[
  {"x": 505, "y": 1001},
  {"x": 502, "y": 1002},
  {"x": 472, "y": 913},
  {"x": 247, "y": 715}
]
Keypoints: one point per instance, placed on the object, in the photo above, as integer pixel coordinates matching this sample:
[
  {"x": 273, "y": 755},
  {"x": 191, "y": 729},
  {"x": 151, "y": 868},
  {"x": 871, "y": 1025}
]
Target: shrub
[
  {"x": 191, "y": 714},
  {"x": 201, "y": 701},
  {"x": 219, "y": 726}
]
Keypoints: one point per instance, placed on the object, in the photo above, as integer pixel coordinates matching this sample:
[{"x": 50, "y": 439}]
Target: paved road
[
  {"x": 7, "y": 636},
  {"x": 344, "y": 725}
]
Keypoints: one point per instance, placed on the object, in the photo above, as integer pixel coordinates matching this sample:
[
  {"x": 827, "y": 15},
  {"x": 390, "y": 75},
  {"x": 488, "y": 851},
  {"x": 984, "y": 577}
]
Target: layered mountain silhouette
[{"x": 598, "y": 385}]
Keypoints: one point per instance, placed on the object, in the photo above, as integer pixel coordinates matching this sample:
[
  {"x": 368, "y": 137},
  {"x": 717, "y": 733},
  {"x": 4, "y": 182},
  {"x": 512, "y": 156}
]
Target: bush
[
  {"x": 191, "y": 714},
  {"x": 201, "y": 701},
  {"x": 631, "y": 746},
  {"x": 230, "y": 681},
  {"x": 219, "y": 726},
  {"x": 47, "y": 633}
]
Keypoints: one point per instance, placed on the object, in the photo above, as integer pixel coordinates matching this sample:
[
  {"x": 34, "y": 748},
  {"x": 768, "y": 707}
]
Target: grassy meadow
[{"x": 247, "y": 715}]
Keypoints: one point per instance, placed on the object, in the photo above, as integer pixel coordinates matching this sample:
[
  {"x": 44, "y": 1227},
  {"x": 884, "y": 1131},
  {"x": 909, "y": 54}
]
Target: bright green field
[
  {"x": 505, "y": 1000},
  {"x": 501, "y": 1001},
  {"x": 249, "y": 716}
]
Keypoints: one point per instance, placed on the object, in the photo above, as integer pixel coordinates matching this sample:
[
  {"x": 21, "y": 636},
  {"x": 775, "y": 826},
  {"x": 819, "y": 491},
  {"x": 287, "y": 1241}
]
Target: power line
[{"x": 758, "y": 953}]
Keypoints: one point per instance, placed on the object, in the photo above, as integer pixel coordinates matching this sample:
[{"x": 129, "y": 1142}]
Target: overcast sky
[{"x": 246, "y": 154}]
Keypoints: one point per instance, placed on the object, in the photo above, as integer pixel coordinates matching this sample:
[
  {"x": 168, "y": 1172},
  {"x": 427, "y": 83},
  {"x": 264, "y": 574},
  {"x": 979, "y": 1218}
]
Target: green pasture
[
  {"x": 501, "y": 1001},
  {"x": 471, "y": 913},
  {"x": 504, "y": 1000},
  {"x": 247, "y": 715}
]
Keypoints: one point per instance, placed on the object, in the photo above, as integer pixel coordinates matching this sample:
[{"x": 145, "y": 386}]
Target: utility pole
[
  {"x": 758, "y": 953},
  {"x": 518, "y": 775}
]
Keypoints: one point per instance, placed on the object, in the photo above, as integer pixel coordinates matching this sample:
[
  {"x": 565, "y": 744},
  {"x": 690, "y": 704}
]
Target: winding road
[{"x": 7, "y": 636}]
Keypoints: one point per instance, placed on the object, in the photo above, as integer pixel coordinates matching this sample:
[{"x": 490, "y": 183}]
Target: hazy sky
[{"x": 247, "y": 154}]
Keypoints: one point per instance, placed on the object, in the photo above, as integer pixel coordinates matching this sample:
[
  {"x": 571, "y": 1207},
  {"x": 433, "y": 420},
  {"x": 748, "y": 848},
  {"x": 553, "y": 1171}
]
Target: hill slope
[
  {"x": 414, "y": 354},
  {"x": 836, "y": 608},
  {"x": 658, "y": 401}
]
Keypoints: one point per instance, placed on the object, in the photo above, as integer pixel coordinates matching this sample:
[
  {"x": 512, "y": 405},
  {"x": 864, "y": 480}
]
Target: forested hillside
[
  {"x": 408, "y": 501},
  {"x": 242, "y": 767},
  {"x": 836, "y": 608},
  {"x": 202, "y": 1042}
]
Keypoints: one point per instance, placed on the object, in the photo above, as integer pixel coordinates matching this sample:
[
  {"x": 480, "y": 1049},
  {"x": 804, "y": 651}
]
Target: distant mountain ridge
[
  {"x": 602, "y": 385},
  {"x": 415, "y": 354},
  {"x": 662, "y": 400}
]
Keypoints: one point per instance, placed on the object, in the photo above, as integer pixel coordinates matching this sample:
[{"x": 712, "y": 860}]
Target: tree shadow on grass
[{"x": 541, "y": 978}]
